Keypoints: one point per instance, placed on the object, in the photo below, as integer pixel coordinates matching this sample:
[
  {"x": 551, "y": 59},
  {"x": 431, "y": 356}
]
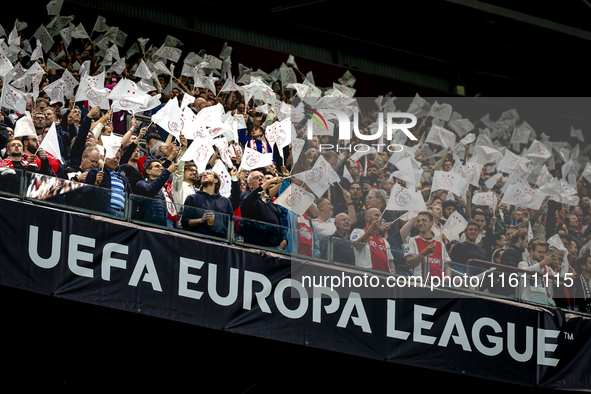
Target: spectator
[
  {"x": 160, "y": 208},
  {"x": 582, "y": 285},
  {"x": 535, "y": 289},
  {"x": 113, "y": 200},
  {"x": 468, "y": 250},
  {"x": 214, "y": 210},
  {"x": 263, "y": 223},
  {"x": 342, "y": 248},
  {"x": 371, "y": 249},
  {"x": 90, "y": 159},
  {"x": 424, "y": 247},
  {"x": 514, "y": 253}
]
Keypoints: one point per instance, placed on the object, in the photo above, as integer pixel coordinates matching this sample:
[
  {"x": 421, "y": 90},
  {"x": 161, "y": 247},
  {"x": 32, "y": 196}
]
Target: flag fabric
[
  {"x": 56, "y": 91},
  {"x": 70, "y": 83},
  {"x": 487, "y": 155},
  {"x": 200, "y": 152},
  {"x": 66, "y": 34},
  {"x": 509, "y": 162},
  {"x": 24, "y": 126},
  {"x": 112, "y": 144},
  {"x": 454, "y": 226},
  {"x": 14, "y": 99},
  {"x": 225, "y": 178},
  {"x": 440, "y": 136},
  {"x": 253, "y": 159},
  {"x": 86, "y": 84},
  {"x": 170, "y": 118},
  {"x": 449, "y": 181},
  {"x": 461, "y": 126},
  {"x": 520, "y": 135},
  {"x": 51, "y": 144},
  {"x": 441, "y": 111},
  {"x": 170, "y": 53},
  {"x": 488, "y": 199},
  {"x": 100, "y": 25},
  {"x": 403, "y": 199},
  {"x": 171, "y": 41},
  {"x": 470, "y": 138},
  {"x": 317, "y": 178},
  {"x": 42, "y": 35},
  {"x": 587, "y": 172},
  {"x": 37, "y": 52},
  {"x": 520, "y": 195},
  {"x": 79, "y": 32},
  {"x": 295, "y": 199},
  {"x": 538, "y": 149}
]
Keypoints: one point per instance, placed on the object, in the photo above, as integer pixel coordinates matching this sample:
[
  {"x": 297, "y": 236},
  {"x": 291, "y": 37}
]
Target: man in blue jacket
[{"x": 206, "y": 211}]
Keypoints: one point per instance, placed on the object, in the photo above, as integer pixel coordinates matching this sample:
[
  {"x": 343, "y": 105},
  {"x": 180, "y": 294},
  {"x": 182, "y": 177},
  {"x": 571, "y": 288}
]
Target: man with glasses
[
  {"x": 109, "y": 178},
  {"x": 160, "y": 208},
  {"x": 206, "y": 211}
]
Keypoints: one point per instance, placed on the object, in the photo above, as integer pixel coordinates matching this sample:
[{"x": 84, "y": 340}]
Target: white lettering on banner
[
  {"x": 185, "y": 277},
  {"x": 454, "y": 320},
  {"x": 151, "y": 275},
  {"x": 109, "y": 261},
  {"x": 317, "y": 302},
  {"x": 486, "y": 334},
  {"x": 56, "y": 251},
  {"x": 249, "y": 279}
]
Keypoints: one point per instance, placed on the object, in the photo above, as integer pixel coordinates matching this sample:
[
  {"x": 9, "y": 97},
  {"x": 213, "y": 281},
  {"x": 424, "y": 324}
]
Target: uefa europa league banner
[{"x": 181, "y": 278}]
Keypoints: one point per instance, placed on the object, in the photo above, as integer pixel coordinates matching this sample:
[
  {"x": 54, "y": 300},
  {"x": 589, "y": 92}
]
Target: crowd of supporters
[{"x": 350, "y": 220}]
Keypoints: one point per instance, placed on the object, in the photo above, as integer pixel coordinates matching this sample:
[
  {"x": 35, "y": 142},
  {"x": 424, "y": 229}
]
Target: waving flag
[
  {"x": 449, "y": 181},
  {"x": 200, "y": 152},
  {"x": 50, "y": 143},
  {"x": 252, "y": 159},
  {"x": 523, "y": 196},
  {"x": 296, "y": 199},
  {"x": 402, "y": 199},
  {"x": 454, "y": 226}
]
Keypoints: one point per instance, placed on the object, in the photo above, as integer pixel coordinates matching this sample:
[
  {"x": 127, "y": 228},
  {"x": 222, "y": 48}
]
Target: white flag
[
  {"x": 225, "y": 178},
  {"x": 454, "y": 226},
  {"x": 56, "y": 91},
  {"x": 252, "y": 159},
  {"x": 112, "y": 144},
  {"x": 520, "y": 136},
  {"x": 143, "y": 71},
  {"x": 449, "y": 181},
  {"x": 200, "y": 152},
  {"x": 14, "y": 99},
  {"x": 402, "y": 199},
  {"x": 100, "y": 24},
  {"x": 296, "y": 199},
  {"x": 488, "y": 199},
  {"x": 520, "y": 195},
  {"x": 587, "y": 172},
  {"x": 170, "y": 53},
  {"x": 54, "y": 7},
  {"x": 24, "y": 126},
  {"x": 46, "y": 41},
  {"x": 37, "y": 52},
  {"x": 50, "y": 143},
  {"x": 440, "y": 136}
]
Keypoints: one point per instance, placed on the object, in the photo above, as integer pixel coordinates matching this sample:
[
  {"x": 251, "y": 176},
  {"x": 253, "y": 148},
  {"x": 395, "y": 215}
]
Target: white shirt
[{"x": 324, "y": 228}]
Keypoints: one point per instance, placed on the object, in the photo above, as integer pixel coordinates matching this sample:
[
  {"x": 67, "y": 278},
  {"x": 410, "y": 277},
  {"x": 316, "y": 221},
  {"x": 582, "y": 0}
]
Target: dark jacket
[
  {"x": 195, "y": 206},
  {"x": 153, "y": 209},
  {"x": 258, "y": 212},
  {"x": 512, "y": 256}
]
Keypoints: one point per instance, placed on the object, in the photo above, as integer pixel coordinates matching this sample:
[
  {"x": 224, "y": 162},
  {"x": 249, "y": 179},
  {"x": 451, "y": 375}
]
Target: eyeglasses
[{"x": 208, "y": 172}]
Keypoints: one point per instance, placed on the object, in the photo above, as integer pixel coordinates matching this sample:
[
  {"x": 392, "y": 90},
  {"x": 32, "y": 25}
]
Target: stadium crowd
[{"x": 513, "y": 201}]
